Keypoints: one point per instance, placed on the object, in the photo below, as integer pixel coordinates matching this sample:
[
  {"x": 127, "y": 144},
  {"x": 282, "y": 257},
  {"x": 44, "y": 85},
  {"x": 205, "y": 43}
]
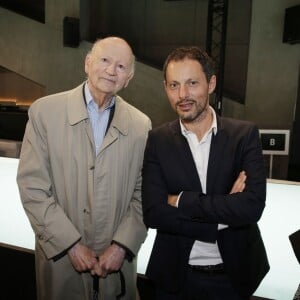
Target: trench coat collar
[
  {"x": 120, "y": 119},
  {"x": 77, "y": 110}
]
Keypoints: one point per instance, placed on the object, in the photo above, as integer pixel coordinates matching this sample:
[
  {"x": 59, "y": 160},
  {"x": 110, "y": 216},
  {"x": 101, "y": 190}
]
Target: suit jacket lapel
[
  {"x": 218, "y": 143},
  {"x": 185, "y": 156}
]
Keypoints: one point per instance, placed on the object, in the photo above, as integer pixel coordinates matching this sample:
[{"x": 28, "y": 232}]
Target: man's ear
[
  {"x": 87, "y": 63},
  {"x": 212, "y": 84},
  {"x": 130, "y": 76},
  {"x": 165, "y": 85}
]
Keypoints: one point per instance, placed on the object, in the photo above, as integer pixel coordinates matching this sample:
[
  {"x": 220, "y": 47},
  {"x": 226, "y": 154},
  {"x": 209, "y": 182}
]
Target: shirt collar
[
  {"x": 90, "y": 100},
  {"x": 213, "y": 128}
]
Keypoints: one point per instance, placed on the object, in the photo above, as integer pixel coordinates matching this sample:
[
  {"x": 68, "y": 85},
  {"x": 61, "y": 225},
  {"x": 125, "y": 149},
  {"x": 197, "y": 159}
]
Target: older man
[{"x": 80, "y": 177}]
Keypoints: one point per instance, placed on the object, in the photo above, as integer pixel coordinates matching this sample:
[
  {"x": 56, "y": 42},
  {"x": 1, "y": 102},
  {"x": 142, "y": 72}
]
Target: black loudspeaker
[
  {"x": 71, "y": 32},
  {"x": 291, "y": 29}
]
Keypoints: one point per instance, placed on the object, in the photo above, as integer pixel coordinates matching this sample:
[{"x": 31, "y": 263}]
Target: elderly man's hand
[
  {"x": 82, "y": 258},
  {"x": 110, "y": 261}
]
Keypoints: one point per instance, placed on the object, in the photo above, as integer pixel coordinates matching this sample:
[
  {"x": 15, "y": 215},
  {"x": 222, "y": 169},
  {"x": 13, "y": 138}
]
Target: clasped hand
[{"x": 84, "y": 259}]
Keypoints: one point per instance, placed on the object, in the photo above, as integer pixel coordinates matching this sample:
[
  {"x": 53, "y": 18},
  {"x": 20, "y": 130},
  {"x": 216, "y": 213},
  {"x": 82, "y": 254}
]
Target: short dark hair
[{"x": 194, "y": 53}]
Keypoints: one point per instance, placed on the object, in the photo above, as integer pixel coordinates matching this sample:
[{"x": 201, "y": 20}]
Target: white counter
[
  {"x": 14, "y": 226},
  {"x": 281, "y": 218}
]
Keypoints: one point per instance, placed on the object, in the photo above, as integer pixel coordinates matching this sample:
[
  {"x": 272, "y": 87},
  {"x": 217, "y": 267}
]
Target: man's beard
[{"x": 198, "y": 112}]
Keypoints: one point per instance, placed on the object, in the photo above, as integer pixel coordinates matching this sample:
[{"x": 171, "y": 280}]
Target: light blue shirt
[{"x": 99, "y": 119}]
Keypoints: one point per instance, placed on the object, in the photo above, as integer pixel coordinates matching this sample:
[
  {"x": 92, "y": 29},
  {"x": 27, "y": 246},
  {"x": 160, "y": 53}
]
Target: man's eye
[
  {"x": 104, "y": 59},
  {"x": 193, "y": 83},
  {"x": 121, "y": 67},
  {"x": 173, "y": 86}
]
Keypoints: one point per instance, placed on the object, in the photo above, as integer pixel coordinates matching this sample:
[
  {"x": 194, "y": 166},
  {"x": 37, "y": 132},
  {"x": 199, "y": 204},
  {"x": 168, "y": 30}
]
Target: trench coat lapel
[
  {"x": 119, "y": 124},
  {"x": 77, "y": 111}
]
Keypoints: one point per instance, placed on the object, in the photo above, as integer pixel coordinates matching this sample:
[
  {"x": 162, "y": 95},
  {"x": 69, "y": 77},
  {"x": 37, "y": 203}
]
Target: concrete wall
[
  {"x": 35, "y": 50},
  {"x": 273, "y": 67},
  {"x": 272, "y": 83}
]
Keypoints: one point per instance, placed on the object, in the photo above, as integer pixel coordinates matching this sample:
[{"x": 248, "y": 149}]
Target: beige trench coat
[{"x": 69, "y": 194}]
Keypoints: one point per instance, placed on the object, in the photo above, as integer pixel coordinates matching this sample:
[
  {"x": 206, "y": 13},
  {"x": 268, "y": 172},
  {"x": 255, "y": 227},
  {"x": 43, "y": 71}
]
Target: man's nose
[
  {"x": 183, "y": 92},
  {"x": 111, "y": 69}
]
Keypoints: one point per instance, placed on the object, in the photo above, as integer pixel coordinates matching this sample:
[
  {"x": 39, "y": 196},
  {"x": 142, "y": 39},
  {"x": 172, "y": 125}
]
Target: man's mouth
[
  {"x": 108, "y": 80},
  {"x": 185, "y": 105}
]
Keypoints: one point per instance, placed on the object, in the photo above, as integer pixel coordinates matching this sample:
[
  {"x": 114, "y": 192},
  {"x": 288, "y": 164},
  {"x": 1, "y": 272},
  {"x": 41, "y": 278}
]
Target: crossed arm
[{"x": 238, "y": 187}]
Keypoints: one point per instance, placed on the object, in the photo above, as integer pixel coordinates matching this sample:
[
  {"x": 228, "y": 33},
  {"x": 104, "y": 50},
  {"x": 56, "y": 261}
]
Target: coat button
[
  {"x": 86, "y": 211},
  {"x": 41, "y": 237}
]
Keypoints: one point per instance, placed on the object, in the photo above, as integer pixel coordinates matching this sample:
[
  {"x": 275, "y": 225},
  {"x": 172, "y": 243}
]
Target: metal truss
[{"x": 216, "y": 42}]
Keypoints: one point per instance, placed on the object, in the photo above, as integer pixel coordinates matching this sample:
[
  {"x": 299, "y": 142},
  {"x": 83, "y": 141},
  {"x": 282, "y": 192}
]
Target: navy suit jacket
[{"x": 169, "y": 168}]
